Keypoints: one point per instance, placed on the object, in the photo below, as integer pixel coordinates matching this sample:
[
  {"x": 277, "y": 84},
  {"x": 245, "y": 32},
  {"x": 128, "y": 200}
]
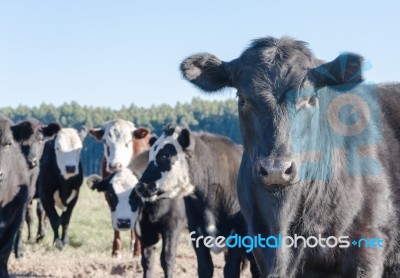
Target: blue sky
[{"x": 113, "y": 53}]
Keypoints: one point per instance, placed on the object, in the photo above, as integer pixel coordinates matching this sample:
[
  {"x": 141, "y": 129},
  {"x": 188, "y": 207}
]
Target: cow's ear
[
  {"x": 22, "y": 131},
  {"x": 152, "y": 140},
  {"x": 207, "y": 72},
  {"x": 95, "y": 182},
  {"x": 83, "y": 131},
  {"x": 185, "y": 139},
  {"x": 97, "y": 133},
  {"x": 346, "y": 69},
  {"x": 51, "y": 129},
  {"x": 140, "y": 133}
]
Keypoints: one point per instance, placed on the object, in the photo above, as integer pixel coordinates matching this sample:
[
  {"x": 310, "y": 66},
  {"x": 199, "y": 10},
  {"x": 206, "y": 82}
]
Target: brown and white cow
[{"x": 122, "y": 143}]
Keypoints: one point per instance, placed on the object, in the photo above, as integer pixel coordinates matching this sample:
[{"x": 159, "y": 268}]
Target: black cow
[
  {"x": 60, "y": 178},
  {"x": 321, "y": 157},
  {"x": 13, "y": 191},
  {"x": 30, "y": 135},
  {"x": 163, "y": 217},
  {"x": 203, "y": 167}
]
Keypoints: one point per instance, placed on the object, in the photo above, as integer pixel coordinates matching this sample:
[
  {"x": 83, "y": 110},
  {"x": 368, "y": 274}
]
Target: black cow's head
[
  {"x": 122, "y": 199},
  {"x": 30, "y": 135},
  {"x": 280, "y": 88},
  {"x": 167, "y": 173}
]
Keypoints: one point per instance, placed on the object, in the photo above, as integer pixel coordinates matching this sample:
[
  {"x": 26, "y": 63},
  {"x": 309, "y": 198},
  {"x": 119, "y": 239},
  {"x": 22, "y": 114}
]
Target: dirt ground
[{"x": 39, "y": 262}]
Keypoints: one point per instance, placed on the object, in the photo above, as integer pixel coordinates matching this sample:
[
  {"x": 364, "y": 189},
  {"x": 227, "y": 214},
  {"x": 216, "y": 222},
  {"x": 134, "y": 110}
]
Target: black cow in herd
[
  {"x": 60, "y": 178},
  {"x": 30, "y": 135},
  {"x": 202, "y": 168},
  {"x": 320, "y": 157},
  {"x": 14, "y": 191}
]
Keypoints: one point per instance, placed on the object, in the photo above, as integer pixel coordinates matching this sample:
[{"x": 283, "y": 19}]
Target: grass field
[{"x": 89, "y": 251}]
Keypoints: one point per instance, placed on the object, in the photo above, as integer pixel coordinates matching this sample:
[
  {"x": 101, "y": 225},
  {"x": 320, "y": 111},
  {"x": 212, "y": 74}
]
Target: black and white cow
[
  {"x": 30, "y": 135},
  {"x": 163, "y": 217},
  {"x": 60, "y": 179},
  {"x": 203, "y": 169},
  {"x": 13, "y": 191}
]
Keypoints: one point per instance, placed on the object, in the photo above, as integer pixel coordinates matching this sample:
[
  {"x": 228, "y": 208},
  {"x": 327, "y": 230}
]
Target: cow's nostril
[
  {"x": 263, "y": 172},
  {"x": 289, "y": 170}
]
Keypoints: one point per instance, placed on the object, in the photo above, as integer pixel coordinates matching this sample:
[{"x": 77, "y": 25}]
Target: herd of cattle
[{"x": 155, "y": 186}]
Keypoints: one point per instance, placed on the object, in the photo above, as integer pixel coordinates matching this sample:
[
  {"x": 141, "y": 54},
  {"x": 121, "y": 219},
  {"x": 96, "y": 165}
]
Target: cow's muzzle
[
  {"x": 123, "y": 223},
  {"x": 271, "y": 172},
  {"x": 32, "y": 163},
  {"x": 70, "y": 169}
]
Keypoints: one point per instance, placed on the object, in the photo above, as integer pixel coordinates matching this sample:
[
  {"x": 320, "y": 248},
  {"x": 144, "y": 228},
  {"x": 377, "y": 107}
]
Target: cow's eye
[
  {"x": 241, "y": 101},
  {"x": 313, "y": 100}
]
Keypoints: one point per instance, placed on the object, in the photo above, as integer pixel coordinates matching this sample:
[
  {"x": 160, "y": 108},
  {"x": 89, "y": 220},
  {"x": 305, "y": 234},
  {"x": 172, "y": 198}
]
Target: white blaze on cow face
[
  {"x": 174, "y": 181},
  {"x": 68, "y": 146},
  {"x": 122, "y": 214},
  {"x": 118, "y": 140}
]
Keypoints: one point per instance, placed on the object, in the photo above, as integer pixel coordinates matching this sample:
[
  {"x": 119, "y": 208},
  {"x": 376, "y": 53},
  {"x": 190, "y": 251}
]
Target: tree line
[{"x": 218, "y": 117}]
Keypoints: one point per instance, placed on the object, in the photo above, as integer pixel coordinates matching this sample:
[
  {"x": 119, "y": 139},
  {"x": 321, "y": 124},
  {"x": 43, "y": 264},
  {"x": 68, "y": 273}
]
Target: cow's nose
[
  {"x": 123, "y": 223},
  {"x": 275, "y": 171},
  {"x": 115, "y": 166},
  {"x": 70, "y": 169},
  {"x": 140, "y": 188},
  {"x": 32, "y": 162}
]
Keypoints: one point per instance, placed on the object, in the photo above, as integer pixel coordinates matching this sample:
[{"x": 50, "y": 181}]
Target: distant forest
[{"x": 218, "y": 117}]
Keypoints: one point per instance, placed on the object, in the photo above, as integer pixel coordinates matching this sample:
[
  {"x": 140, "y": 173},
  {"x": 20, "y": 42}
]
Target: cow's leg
[
  {"x": 149, "y": 241},
  {"x": 18, "y": 245},
  {"x": 135, "y": 244},
  {"x": 117, "y": 245},
  {"x": 205, "y": 267},
  {"x": 29, "y": 221},
  {"x": 65, "y": 218},
  {"x": 233, "y": 262},
  {"x": 170, "y": 238},
  {"x": 51, "y": 212},
  {"x": 13, "y": 214},
  {"x": 41, "y": 214}
]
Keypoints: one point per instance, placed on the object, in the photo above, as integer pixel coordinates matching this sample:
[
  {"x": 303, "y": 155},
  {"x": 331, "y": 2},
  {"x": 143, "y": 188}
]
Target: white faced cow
[
  {"x": 60, "y": 178},
  {"x": 122, "y": 143}
]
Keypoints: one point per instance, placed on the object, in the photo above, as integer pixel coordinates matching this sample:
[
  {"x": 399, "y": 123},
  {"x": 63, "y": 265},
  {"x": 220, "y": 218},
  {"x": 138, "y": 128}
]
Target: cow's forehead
[
  {"x": 68, "y": 139},
  {"x": 119, "y": 130},
  {"x": 123, "y": 181}
]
